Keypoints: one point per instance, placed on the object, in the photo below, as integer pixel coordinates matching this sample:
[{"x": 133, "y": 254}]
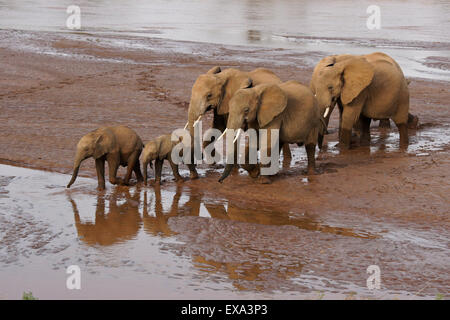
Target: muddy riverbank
[{"x": 296, "y": 238}]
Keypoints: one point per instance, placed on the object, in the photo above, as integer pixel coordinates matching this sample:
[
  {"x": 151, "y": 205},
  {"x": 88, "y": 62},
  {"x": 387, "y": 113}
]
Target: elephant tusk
[
  {"x": 186, "y": 125},
  {"x": 237, "y": 135},
  {"x": 197, "y": 120},
  {"x": 326, "y": 112},
  {"x": 221, "y": 136}
]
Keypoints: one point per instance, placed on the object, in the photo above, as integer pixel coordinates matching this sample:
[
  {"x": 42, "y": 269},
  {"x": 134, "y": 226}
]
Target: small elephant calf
[
  {"x": 159, "y": 149},
  {"x": 120, "y": 146}
]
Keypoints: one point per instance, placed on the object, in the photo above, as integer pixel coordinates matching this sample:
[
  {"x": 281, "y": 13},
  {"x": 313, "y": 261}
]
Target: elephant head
[
  {"x": 259, "y": 104},
  {"x": 341, "y": 77},
  {"x": 95, "y": 144},
  {"x": 207, "y": 93}
]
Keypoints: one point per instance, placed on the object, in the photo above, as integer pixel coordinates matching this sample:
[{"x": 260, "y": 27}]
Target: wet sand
[{"x": 296, "y": 238}]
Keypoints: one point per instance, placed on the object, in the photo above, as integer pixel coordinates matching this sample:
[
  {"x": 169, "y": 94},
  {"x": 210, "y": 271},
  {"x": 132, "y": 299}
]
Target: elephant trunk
[
  {"x": 76, "y": 167},
  {"x": 226, "y": 172}
]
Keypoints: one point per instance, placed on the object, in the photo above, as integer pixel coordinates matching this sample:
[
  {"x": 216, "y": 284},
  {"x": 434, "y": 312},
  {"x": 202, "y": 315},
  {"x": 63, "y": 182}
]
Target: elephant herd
[{"x": 363, "y": 87}]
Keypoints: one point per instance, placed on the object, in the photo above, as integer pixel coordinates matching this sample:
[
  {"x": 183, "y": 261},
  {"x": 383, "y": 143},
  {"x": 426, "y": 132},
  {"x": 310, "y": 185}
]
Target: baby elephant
[
  {"x": 120, "y": 146},
  {"x": 159, "y": 150}
]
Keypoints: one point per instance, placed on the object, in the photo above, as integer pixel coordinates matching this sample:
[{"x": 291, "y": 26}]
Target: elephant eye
[
  {"x": 330, "y": 88},
  {"x": 246, "y": 109},
  {"x": 209, "y": 96}
]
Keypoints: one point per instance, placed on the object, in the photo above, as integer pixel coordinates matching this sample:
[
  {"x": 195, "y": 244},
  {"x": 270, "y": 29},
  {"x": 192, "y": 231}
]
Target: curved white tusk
[
  {"x": 237, "y": 135},
  {"x": 221, "y": 136},
  {"x": 197, "y": 120},
  {"x": 326, "y": 112},
  {"x": 186, "y": 125}
]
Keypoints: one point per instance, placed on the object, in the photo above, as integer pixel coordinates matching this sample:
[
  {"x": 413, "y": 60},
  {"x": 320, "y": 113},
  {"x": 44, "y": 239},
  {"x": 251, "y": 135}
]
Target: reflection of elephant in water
[
  {"x": 120, "y": 146},
  {"x": 364, "y": 87},
  {"x": 213, "y": 91},
  {"x": 289, "y": 107},
  {"x": 157, "y": 224},
  {"x": 121, "y": 223}
]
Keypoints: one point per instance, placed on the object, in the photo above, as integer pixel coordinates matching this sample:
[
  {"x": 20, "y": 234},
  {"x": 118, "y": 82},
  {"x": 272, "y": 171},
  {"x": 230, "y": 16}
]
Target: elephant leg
[
  {"x": 365, "y": 130},
  {"x": 176, "y": 174},
  {"x": 193, "y": 172},
  {"x": 311, "y": 154},
  {"x": 137, "y": 171},
  {"x": 252, "y": 169},
  {"x": 403, "y": 131},
  {"x": 401, "y": 120},
  {"x": 286, "y": 151},
  {"x": 113, "y": 166},
  {"x": 132, "y": 159},
  {"x": 385, "y": 123},
  {"x": 158, "y": 169},
  {"x": 350, "y": 115},
  {"x": 341, "y": 110},
  {"x": 264, "y": 179},
  {"x": 100, "y": 168}
]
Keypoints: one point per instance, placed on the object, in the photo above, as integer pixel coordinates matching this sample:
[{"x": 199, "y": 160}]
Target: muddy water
[
  {"x": 415, "y": 33},
  {"x": 176, "y": 242}
]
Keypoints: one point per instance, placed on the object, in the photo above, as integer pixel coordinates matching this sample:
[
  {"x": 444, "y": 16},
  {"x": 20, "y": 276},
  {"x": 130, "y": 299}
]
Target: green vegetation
[{"x": 28, "y": 296}]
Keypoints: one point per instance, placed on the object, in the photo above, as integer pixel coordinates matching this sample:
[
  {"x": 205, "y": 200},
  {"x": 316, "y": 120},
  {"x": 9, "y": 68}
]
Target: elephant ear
[
  {"x": 100, "y": 147},
  {"x": 214, "y": 70},
  {"x": 247, "y": 83},
  {"x": 273, "y": 101},
  {"x": 357, "y": 75}
]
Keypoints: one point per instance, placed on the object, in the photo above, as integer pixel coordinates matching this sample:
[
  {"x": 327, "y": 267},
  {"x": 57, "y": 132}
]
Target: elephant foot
[
  {"x": 344, "y": 141},
  {"x": 193, "y": 175},
  {"x": 264, "y": 180},
  {"x": 101, "y": 188},
  {"x": 254, "y": 173}
]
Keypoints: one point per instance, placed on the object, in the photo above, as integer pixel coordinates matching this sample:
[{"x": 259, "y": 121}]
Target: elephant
[
  {"x": 159, "y": 149},
  {"x": 364, "y": 87},
  {"x": 213, "y": 91},
  {"x": 118, "y": 145},
  {"x": 289, "y": 107}
]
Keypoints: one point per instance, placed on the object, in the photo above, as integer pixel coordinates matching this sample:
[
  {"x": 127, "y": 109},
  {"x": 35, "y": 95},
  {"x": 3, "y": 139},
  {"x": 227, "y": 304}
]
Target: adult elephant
[
  {"x": 364, "y": 87},
  {"x": 213, "y": 91},
  {"x": 289, "y": 107}
]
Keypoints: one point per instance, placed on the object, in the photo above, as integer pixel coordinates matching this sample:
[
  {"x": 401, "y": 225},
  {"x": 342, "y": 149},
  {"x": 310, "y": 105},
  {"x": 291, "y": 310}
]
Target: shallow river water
[{"x": 414, "y": 32}]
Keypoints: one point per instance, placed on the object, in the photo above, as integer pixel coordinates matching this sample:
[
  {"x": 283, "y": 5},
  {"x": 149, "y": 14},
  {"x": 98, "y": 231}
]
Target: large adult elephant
[
  {"x": 364, "y": 87},
  {"x": 289, "y": 107},
  {"x": 213, "y": 91}
]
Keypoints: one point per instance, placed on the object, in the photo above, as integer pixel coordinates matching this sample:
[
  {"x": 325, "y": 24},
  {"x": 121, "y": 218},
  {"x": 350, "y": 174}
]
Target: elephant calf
[
  {"x": 159, "y": 150},
  {"x": 120, "y": 146}
]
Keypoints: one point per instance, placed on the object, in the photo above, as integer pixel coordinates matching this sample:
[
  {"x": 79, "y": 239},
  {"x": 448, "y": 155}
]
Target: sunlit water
[{"x": 413, "y": 32}]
